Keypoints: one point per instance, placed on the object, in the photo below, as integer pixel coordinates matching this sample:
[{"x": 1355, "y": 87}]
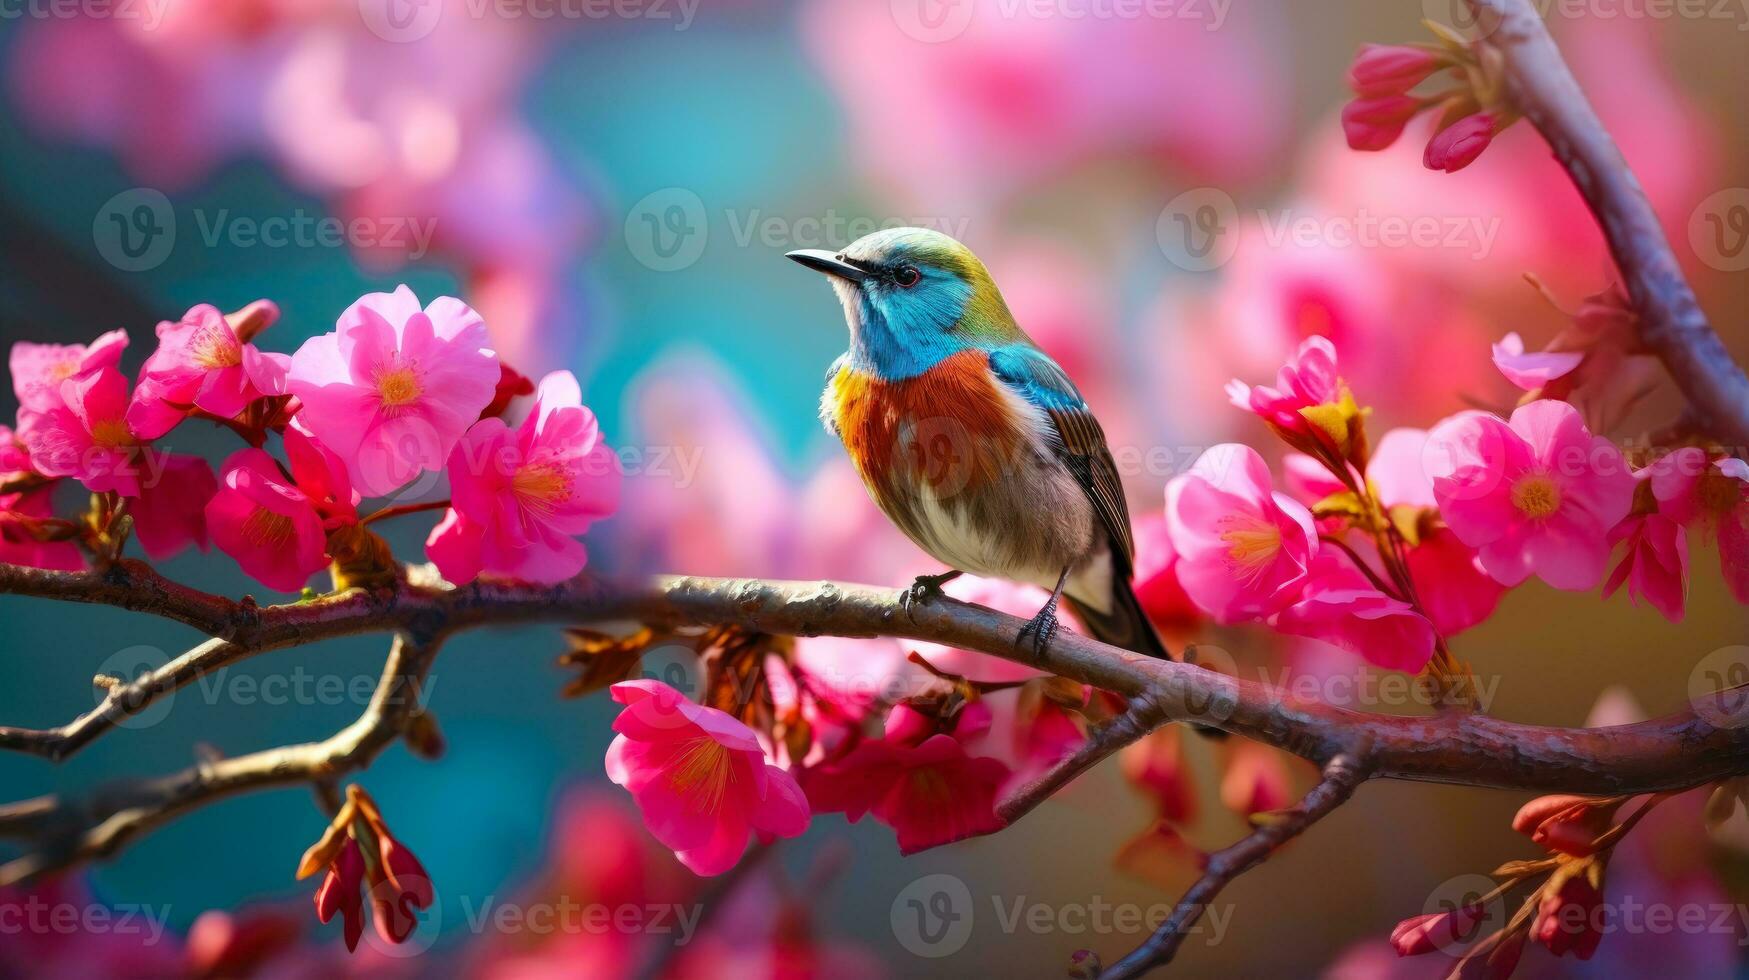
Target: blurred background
[{"x": 614, "y": 185}]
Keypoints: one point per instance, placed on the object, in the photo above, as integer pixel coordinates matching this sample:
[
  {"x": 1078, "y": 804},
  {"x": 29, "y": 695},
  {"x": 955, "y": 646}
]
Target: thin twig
[
  {"x": 1143, "y": 715},
  {"x": 64, "y": 832},
  {"x": 1341, "y": 775}
]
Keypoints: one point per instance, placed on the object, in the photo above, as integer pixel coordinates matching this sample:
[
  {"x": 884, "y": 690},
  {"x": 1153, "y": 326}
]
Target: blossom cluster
[
  {"x": 1468, "y": 116},
  {"x": 395, "y": 393}
]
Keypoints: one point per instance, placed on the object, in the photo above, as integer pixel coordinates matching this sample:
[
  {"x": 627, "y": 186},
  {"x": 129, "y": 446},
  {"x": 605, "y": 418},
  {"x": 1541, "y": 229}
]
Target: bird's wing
[{"x": 1030, "y": 373}]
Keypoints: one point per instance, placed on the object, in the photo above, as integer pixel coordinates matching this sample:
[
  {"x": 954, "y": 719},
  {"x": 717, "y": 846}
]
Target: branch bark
[
  {"x": 1464, "y": 748},
  {"x": 1672, "y": 323},
  {"x": 66, "y": 832}
]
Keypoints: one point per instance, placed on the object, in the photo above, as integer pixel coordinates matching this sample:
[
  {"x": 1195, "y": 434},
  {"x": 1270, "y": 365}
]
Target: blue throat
[{"x": 904, "y": 334}]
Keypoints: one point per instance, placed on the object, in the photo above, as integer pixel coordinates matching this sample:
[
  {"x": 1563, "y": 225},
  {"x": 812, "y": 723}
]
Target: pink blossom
[
  {"x": 86, "y": 436},
  {"x": 201, "y": 363},
  {"x": 919, "y": 781},
  {"x": 1244, "y": 551},
  {"x": 1342, "y": 607},
  {"x": 170, "y": 513},
  {"x": 19, "y": 512},
  {"x": 1655, "y": 566},
  {"x": 1156, "y": 577},
  {"x": 39, "y": 369},
  {"x": 393, "y": 388},
  {"x": 1455, "y": 591},
  {"x": 1374, "y": 123},
  {"x": 1710, "y": 499},
  {"x": 1458, "y": 145},
  {"x": 521, "y": 496},
  {"x": 699, "y": 777},
  {"x": 276, "y": 526},
  {"x": 1308, "y": 380},
  {"x": 1532, "y": 371},
  {"x": 1391, "y": 69},
  {"x": 1538, "y": 494}
]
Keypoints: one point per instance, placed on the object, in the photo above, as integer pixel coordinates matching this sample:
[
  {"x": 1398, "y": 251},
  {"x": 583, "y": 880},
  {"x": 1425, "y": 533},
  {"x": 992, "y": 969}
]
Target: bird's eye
[{"x": 907, "y": 276}]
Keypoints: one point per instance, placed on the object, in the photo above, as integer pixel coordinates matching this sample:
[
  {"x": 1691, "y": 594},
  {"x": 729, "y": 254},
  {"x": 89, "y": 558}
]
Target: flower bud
[
  {"x": 1458, "y": 145},
  {"x": 1435, "y": 930},
  {"x": 1567, "y": 919},
  {"x": 1375, "y": 123},
  {"x": 1391, "y": 69}
]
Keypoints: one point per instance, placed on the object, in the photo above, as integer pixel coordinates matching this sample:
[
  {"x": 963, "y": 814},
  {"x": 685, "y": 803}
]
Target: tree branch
[
  {"x": 65, "y": 832},
  {"x": 122, "y": 700},
  {"x": 1143, "y": 715},
  {"x": 1672, "y": 323},
  {"x": 1341, "y": 775},
  {"x": 1465, "y": 748}
]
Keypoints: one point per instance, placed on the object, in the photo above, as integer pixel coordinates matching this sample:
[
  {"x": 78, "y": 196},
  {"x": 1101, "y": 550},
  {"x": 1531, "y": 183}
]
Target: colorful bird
[{"x": 971, "y": 439}]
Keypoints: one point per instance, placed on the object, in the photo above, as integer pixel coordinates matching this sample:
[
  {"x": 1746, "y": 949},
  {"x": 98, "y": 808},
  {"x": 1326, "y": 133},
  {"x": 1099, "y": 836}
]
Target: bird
[{"x": 972, "y": 439}]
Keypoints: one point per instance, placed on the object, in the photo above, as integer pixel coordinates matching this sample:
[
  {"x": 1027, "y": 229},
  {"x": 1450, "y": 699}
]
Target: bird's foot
[
  {"x": 1041, "y": 628},
  {"x": 923, "y": 589}
]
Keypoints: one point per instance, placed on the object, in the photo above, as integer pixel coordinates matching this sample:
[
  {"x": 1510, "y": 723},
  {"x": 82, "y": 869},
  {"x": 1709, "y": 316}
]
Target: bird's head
[{"x": 912, "y": 297}]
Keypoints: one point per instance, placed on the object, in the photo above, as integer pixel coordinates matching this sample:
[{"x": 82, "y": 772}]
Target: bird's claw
[
  {"x": 1042, "y": 628},
  {"x": 923, "y": 589}
]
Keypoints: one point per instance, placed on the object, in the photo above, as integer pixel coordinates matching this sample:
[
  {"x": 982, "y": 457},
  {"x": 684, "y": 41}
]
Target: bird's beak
[{"x": 823, "y": 261}]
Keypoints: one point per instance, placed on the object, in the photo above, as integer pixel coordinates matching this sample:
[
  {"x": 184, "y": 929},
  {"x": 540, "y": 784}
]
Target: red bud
[
  {"x": 1458, "y": 145},
  {"x": 1391, "y": 69},
  {"x": 1375, "y": 123},
  {"x": 1435, "y": 930}
]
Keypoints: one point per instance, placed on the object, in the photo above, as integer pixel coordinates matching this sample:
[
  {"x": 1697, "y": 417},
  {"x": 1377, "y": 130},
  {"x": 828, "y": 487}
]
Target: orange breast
[{"x": 949, "y": 430}]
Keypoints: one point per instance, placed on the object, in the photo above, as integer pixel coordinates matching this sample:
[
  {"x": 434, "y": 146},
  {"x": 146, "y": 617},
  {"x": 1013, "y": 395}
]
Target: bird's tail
[{"x": 1126, "y": 625}]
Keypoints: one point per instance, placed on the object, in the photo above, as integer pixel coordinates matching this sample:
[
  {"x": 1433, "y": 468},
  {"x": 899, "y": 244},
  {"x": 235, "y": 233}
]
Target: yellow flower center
[
  {"x": 1254, "y": 543},
  {"x": 398, "y": 387},
  {"x": 111, "y": 434},
  {"x": 540, "y": 487},
  {"x": 1536, "y": 496},
  {"x": 62, "y": 370},
  {"x": 265, "y": 529},
  {"x": 214, "y": 349},
  {"x": 701, "y": 773}
]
